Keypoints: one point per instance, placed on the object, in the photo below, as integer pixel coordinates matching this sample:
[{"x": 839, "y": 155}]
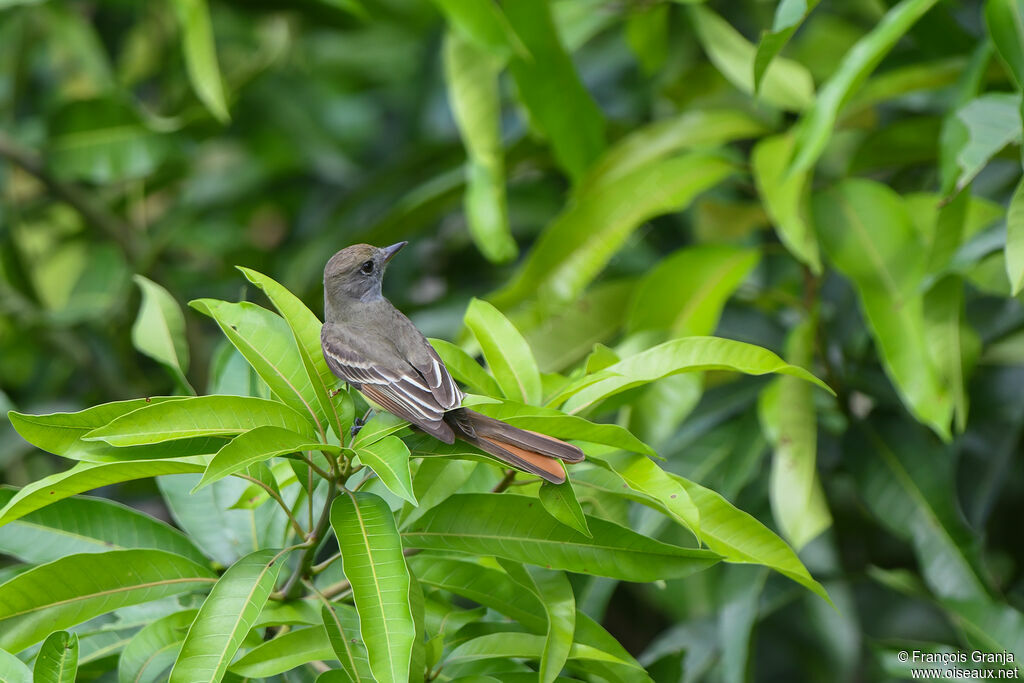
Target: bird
[{"x": 376, "y": 349}]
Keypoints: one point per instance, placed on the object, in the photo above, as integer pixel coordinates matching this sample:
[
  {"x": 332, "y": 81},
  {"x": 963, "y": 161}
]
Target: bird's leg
[{"x": 358, "y": 423}]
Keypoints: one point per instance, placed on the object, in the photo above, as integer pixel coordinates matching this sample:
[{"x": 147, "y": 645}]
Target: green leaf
[
  {"x": 61, "y": 433},
  {"x": 789, "y": 14},
  {"x": 866, "y": 232},
  {"x": 76, "y": 588},
  {"x": 103, "y": 141},
  {"x": 685, "y": 293},
  {"x": 560, "y": 502},
  {"x": 1004, "y": 20},
  {"x": 371, "y": 552},
  {"x": 517, "y": 528},
  {"x": 687, "y": 354},
  {"x": 389, "y": 458},
  {"x": 257, "y": 445},
  {"x": 471, "y": 73},
  {"x": 785, "y": 197},
  {"x": 305, "y": 327},
  {"x": 555, "y": 593},
  {"x": 907, "y": 480},
  {"x": 997, "y": 627},
  {"x": 88, "y": 476},
  {"x": 88, "y": 525},
  {"x": 57, "y": 660},
  {"x": 645, "y": 477},
  {"x": 953, "y": 343},
  {"x": 484, "y": 585},
  {"x": 556, "y": 423},
  {"x": 201, "y": 56},
  {"x": 785, "y": 84},
  {"x": 267, "y": 343},
  {"x": 341, "y": 623},
  {"x": 989, "y": 123},
  {"x": 159, "y": 329},
  {"x": 647, "y": 32},
  {"x": 1015, "y": 240},
  {"x": 284, "y": 653},
  {"x": 506, "y": 352},
  {"x": 434, "y": 481},
  {"x": 663, "y": 138},
  {"x": 13, "y": 670},
  {"x": 739, "y": 537},
  {"x": 465, "y": 369},
  {"x": 484, "y": 24},
  {"x": 551, "y": 90},
  {"x": 580, "y": 242},
  {"x": 815, "y": 128},
  {"x": 376, "y": 428},
  {"x": 789, "y": 421},
  {"x": 151, "y": 652},
  {"x": 226, "y": 616},
  {"x": 570, "y": 333},
  {"x": 199, "y": 416},
  {"x": 528, "y": 646}
]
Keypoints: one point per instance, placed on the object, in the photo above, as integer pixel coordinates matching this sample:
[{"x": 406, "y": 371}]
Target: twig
[
  {"x": 317, "y": 568},
  {"x": 274, "y": 494},
  {"x": 123, "y": 233},
  {"x": 302, "y": 568},
  {"x": 505, "y": 482}
]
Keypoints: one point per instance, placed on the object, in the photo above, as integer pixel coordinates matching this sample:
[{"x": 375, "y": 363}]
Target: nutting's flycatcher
[{"x": 371, "y": 345}]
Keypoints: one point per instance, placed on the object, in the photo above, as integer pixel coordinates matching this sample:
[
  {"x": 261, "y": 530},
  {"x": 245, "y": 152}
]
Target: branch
[
  {"x": 290, "y": 589},
  {"x": 273, "y": 494},
  {"x": 95, "y": 214}
]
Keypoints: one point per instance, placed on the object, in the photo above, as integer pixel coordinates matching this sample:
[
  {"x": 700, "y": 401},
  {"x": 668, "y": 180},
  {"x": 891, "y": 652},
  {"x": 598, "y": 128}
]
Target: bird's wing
[{"x": 392, "y": 383}]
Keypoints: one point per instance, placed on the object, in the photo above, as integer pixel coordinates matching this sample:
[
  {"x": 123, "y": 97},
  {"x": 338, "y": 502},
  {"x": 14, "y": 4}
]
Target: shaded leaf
[
  {"x": 789, "y": 14},
  {"x": 1015, "y": 240},
  {"x": 472, "y": 77},
  {"x": 285, "y": 652},
  {"x": 551, "y": 90},
  {"x": 815, "y": 128},
  {"x": 555, "y": 593},
  {"x": 785, "y": 197},
  {"x": 13, "y": 670},
  {"x": 784, "y": 84},
  {"x": 151, "y": 652},
  {"x": 578, "y": 244},
  {"x": 517, "y": 528},
  {"x": 1004, "y": 20},
  {"x": 88, "y": 525},
  {"x": 76, "y": 588},
  {"x": 788, "y": 419},
  {"x": 341, "y": 623},
  {"x": 201, "y": 56}
]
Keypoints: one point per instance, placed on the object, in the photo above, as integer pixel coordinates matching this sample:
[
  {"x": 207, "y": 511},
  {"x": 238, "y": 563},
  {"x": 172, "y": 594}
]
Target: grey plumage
[{"x": 371, "y": 345}]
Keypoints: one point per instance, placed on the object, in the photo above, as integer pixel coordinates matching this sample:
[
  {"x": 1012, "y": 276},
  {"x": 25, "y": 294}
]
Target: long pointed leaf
[
  {"x": 257, "y": 445},
  {"x": 371, "y": 551},
  {"x": 516, "y": 528},
  {"x": 76, "y": 588},
  {"x": 226, "y": 616}
]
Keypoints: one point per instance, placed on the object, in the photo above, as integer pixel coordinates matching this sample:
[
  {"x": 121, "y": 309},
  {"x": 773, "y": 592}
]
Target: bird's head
[{"x": 355, "y": 272}]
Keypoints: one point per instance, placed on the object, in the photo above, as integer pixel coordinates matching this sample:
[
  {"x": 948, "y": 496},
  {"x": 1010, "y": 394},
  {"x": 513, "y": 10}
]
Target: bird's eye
[{"x": 367, "y": 268}]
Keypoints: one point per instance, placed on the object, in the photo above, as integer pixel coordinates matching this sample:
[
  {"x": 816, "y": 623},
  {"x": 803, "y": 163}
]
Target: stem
[
  {"x": 119, "y": 230},
  {"x": 274, "y": 494},
  {"x": 505, "y": 482},
  {"x": 291, "y": 587},
  {"x": 317, "y": 568},
  {"x": 336, "y": 589}
]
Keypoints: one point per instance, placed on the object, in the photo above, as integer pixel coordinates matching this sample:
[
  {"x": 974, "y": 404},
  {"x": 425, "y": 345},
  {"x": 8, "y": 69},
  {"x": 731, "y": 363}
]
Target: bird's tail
[{"x": 525, "y": 450}]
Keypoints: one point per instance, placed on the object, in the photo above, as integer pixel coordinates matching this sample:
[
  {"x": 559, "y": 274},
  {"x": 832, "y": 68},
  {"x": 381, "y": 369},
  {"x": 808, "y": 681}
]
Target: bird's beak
[{"x": 392, "y": 250}]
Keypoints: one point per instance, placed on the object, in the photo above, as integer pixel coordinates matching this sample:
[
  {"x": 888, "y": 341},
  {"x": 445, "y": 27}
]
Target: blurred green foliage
[{"x": 838, "y": 182}]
